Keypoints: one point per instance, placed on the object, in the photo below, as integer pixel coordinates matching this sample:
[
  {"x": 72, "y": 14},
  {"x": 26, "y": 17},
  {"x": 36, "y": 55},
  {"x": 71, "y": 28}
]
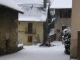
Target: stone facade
[
  {"x": 59, "y": 22},
  {"x": 8, "y": 29}
]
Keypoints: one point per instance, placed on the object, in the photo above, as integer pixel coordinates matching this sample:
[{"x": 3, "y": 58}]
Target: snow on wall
[
  {"x": 59, "y": 4},
  {"x": 52, "y": 32},
  {"x": 66, "y": 30},
  {"x": 33, "y": 12},
  {"x": 10, "y": 4}
]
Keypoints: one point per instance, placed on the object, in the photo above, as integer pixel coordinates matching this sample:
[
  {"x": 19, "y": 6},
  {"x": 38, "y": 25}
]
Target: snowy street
[{"x": 35, "y": 52}]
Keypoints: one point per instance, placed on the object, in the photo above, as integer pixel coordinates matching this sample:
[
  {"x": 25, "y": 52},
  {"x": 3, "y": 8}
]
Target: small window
[
  {"x": 65, "y": 13},
  {"x": 29, "y": 38}
]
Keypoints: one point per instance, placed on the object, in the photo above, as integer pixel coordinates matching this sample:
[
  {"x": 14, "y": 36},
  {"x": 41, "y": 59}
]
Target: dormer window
[{"x": 66, "y": 13}]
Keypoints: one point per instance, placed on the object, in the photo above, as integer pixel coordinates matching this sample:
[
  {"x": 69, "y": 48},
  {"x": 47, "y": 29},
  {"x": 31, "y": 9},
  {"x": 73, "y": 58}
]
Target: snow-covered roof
[
  {"x": 29, "y": 1},
  {"x": 61, "y": 4},
  {"x": 33, "y": 12},
  {"x": 11, "y": 4}
]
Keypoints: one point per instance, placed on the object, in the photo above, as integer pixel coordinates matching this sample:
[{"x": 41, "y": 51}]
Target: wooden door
[
  {"x": 30, "y": 27},
  {"x": 29, "y": 38},
  {"x": 78, "y": 45}
]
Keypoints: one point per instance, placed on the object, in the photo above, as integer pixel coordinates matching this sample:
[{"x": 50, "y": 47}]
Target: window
[
  {"x": 29, "y": 38},
  {"x": 30, "y": 27},
  {"x": 66, "y": 13}
]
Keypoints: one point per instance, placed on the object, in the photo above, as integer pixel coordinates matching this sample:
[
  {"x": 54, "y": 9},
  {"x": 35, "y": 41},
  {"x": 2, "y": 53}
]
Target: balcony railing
[{"x": 32, "y": 31}]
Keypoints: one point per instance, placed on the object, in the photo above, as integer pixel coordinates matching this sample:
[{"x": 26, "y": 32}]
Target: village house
[
  {"x": 8, "y": 26},
  {"x": 31, "y": 25},
  {"x": 75, "y": 29},
  {"x": 62, "y": 14}
]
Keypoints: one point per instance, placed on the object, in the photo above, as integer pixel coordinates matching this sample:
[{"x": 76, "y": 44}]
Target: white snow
[
  {"x": 34, "y": 52},
  {"x": 51, "y": 1},
  {"x": 66, "y": 30},
  {"x": 33, "y": 12},
  {"x": 19, "y": 45},
  {"x": 73, "y": 59},
  {"x": 31, "y": 19},
  {"x": 61, "y": 4},
  {"x": 29, "y": 1},
  {"x": 52, "y": 32},
  {"x": 10, "y": 4}
]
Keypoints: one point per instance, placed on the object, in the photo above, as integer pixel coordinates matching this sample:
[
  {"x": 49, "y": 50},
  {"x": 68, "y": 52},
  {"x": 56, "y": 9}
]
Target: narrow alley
[{"x": 34, "y": 52}]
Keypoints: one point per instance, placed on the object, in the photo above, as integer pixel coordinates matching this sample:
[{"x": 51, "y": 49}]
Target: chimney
[{"x": 45, "y": 1}]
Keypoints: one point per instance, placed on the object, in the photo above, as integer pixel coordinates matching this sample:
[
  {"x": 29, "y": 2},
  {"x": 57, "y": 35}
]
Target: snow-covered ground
[{"x": 35, "y": 52}]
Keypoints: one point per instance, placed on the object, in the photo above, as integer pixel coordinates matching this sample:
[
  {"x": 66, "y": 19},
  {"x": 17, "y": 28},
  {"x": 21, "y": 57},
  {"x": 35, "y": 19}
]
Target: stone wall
[
  {"x": 59, "y": 22},
  {"x": 8, "y": 28}
]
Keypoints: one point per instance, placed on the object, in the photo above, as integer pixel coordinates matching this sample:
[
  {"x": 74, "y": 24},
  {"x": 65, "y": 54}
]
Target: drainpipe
[{"x": 45, "y": 1}]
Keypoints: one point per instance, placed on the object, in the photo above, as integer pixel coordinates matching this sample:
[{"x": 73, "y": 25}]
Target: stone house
[
  {"x": 8, "y": 26},
  {"x": 62, "y": 14}
]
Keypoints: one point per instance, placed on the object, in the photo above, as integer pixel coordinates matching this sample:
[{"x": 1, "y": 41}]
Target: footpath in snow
[{"x": 35, "y": 52}]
